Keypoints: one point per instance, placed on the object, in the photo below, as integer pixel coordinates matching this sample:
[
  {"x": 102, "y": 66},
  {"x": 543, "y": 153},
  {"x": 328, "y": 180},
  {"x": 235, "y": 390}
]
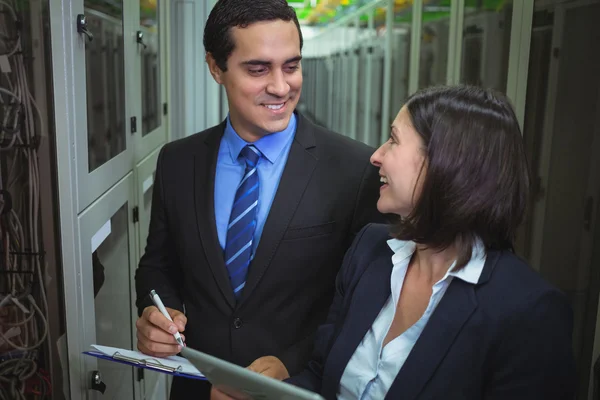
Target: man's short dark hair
[
  {"x": 227, "y": 14},
  {"x": 476, "y": 180}
]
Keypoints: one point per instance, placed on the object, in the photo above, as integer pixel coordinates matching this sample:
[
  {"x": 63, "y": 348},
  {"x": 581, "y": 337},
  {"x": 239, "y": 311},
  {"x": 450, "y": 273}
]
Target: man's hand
[
  {"x": 155, "y": 332},
  {"x": 270, "y": 366},
  {"x": 216, "y": 394}
]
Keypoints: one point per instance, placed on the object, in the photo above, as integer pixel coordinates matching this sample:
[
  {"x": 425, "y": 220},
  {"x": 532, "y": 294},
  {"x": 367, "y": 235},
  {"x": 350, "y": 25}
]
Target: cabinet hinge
[{"x": 133, "y": 124}]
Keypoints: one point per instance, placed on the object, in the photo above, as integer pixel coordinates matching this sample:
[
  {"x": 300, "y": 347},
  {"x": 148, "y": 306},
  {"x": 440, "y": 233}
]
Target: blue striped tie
[{"x": 242, "y": 223}]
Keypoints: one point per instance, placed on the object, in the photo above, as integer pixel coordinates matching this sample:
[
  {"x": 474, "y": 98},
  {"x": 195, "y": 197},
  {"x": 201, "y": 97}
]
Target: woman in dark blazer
[{"x": 437, "y": 306}]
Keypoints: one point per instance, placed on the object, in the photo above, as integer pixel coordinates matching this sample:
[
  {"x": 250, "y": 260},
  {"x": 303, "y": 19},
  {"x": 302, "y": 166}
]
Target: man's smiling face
[{"x": 263, "y": 78}]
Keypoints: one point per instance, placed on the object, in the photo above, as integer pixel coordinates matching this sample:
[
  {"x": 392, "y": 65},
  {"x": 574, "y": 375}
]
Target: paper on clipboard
[{"x": 173, "y": 364}]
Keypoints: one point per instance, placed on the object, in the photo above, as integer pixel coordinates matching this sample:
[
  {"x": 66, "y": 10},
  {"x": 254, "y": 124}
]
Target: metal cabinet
[
  {"x": 110, "y": 96},
  {"x": 119, "y": 68}
]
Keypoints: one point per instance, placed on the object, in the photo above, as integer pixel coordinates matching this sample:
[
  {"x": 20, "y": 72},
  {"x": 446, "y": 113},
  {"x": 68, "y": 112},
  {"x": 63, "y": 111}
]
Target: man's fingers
[
  {"x": 262, "y": 364},
  {"x": 252, "y": 368},
  {"x": 269, "y": 366},
  {"x": 257, "y": 366},
  {"x": 180, "y": 325},
  {"x": 156, "y": 349},
  {"x": 154, "y": 334},
  {"x": 142, "y": 348},
  {"x": 265, "y": 369},
  {"x": 178, "y": 318},
  {"x": 216, "y": 394},
  {"x": 155, "y": 317}
]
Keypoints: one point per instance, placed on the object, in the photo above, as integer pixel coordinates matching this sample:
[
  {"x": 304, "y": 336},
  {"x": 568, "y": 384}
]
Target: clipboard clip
[{"x": 147, "y": 363}]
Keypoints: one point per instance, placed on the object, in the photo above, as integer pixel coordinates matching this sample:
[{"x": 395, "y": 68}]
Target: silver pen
[{"x": 159, "y": 304}]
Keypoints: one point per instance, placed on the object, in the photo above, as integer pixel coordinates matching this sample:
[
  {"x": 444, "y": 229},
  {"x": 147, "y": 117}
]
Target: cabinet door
[
  {"x": 108, "y": 314},
  {"x": 485, "y": 45},
  {"x": 149, "y": 19},
  {"x": 102, "y": 87}
]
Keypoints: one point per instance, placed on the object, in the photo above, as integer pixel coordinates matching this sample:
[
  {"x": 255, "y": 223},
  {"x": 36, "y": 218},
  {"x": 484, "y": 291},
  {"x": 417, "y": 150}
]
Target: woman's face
[{"x": 400, "y": 160}]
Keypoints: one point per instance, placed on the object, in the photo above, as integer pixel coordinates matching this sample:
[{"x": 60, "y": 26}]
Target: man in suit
[{"x": 251, "y": 218}]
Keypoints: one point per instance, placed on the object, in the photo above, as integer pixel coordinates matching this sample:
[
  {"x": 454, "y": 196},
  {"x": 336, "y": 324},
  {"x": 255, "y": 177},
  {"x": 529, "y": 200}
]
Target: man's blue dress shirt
[{"x": 230, "y": 170}]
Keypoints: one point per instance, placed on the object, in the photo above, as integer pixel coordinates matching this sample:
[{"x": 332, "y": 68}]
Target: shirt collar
[
  {"x": 472, "y": 271},
  {"x": 402, "y": 249},
  {"x": 271, "y": 146},
  {"x": 469, "y": 273}
]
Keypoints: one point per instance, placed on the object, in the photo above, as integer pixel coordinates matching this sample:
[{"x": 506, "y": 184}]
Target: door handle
[
  {"x": 97, "y": 383},
  {"x": 82, "y": 27},
  {"x": 139, "y": 38}
]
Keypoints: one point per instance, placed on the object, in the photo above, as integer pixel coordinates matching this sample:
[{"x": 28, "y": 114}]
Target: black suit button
[{"x": 237, "y": 323}]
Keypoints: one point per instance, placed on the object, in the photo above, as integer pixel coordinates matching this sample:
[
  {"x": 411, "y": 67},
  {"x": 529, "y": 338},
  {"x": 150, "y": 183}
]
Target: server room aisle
[{"x": 344, "y": 89}]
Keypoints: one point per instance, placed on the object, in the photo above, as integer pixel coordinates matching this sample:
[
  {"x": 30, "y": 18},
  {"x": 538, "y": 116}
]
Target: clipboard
[{"x": 174, "y": 365}]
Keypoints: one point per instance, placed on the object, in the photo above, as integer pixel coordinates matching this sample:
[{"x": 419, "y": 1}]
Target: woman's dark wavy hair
[
  {"x": 227, "y": 14},
  {"x": 475, "y": 177}
]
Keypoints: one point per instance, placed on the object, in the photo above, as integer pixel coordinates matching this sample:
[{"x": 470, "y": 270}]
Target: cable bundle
[{"x": 23, "y": 302}]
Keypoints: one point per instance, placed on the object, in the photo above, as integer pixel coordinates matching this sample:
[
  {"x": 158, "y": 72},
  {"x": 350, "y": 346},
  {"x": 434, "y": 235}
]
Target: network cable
[{"x": 23, "y": 300}]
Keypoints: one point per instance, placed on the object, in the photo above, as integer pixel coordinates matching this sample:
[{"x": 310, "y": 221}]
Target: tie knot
[{"x": 251, "y": 155}]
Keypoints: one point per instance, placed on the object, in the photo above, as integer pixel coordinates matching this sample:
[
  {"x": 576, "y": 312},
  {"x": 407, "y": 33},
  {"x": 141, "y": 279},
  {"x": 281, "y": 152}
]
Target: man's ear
[{"x": 214, "y": 69}]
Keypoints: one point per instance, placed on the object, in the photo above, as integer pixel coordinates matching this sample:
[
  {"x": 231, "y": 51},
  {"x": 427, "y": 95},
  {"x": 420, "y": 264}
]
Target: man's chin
[
  {"x": 278, "y": 124},
  {"x": 274, "y": 128}
]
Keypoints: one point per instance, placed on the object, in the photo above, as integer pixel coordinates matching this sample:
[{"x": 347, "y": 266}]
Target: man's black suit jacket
[{"x": 328, "y": 191}]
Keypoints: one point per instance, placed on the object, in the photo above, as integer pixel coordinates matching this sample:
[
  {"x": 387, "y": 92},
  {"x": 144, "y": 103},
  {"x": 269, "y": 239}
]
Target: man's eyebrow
[
  {"x": 293, "y": 59},
  {"x": 264, "y": 62},
  {"x": 256, "y": 62}
]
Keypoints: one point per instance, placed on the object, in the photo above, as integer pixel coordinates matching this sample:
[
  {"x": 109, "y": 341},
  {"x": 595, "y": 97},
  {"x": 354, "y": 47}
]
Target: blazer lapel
[
  {"x": 296, "y": 175},
  {"x": 445, "y": 323},
  {"x": 367, "y": 300},
  {"x": 205, "y": 165}
]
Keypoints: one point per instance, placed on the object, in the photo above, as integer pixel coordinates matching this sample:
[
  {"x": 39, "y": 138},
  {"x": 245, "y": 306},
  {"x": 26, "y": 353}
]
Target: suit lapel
[
  {"x": 368, "y": 298},
  {"x": 296, "y": 175},
  {"x": 445, "y": 323},
  {"x": 205, "y": 165}
]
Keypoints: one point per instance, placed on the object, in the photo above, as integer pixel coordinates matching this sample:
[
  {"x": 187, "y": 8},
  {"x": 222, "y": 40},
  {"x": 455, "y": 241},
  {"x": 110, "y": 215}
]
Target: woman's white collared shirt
[{"x": 372, "y": 369}]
